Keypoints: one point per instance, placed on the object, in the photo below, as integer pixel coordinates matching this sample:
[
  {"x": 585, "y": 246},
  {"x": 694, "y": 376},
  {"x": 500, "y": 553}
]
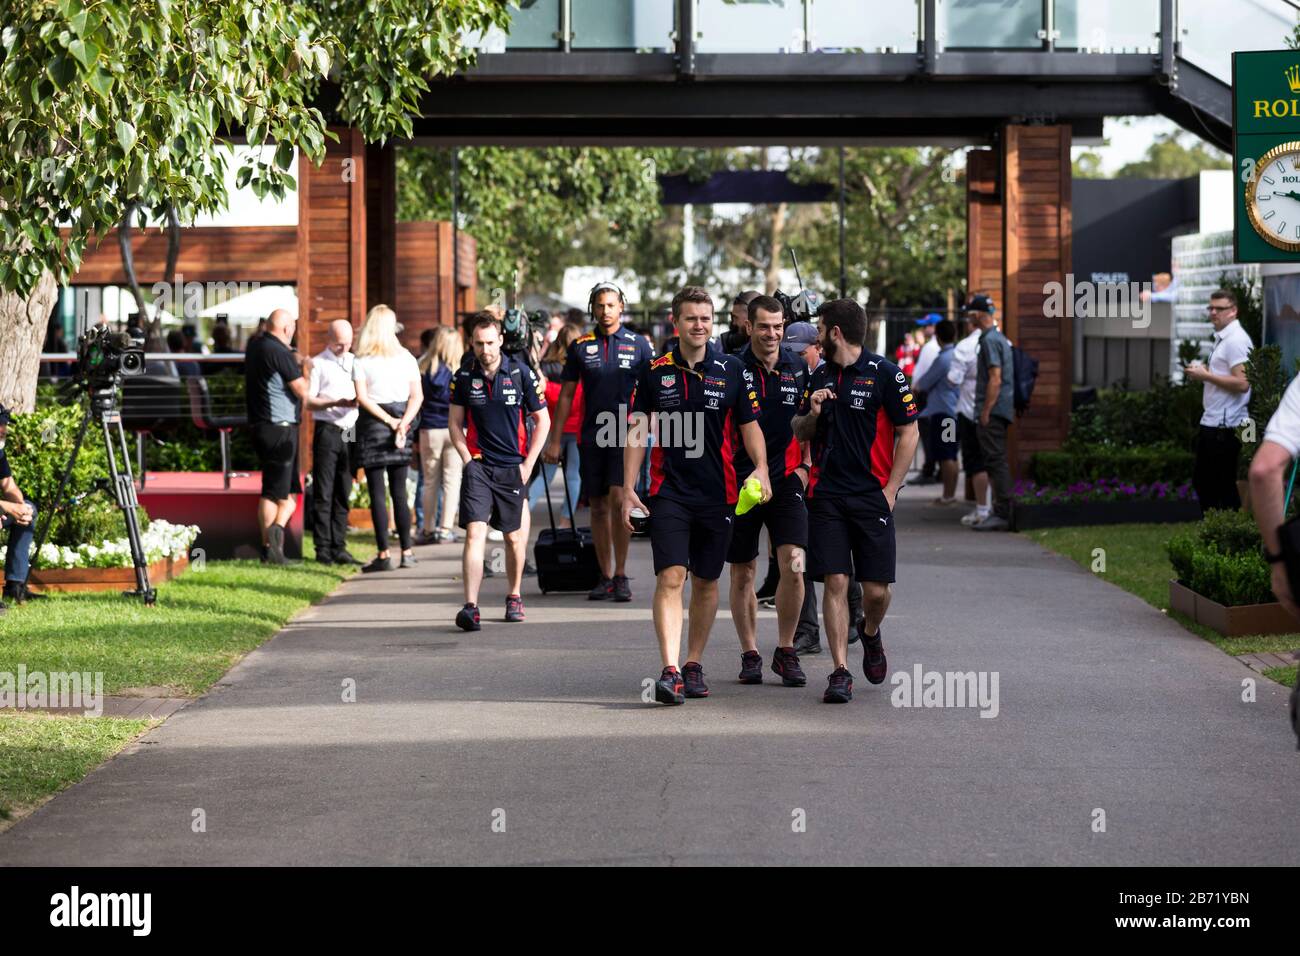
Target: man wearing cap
[
  {"x": 929, "y": 352},
  {"x": 778, "y": 375},
  {"x": 606, "y": 361},
  {"x": 995, "y": 382},
  {"x": 962, "y": 373},
  {"x": 18, "y": 517}
]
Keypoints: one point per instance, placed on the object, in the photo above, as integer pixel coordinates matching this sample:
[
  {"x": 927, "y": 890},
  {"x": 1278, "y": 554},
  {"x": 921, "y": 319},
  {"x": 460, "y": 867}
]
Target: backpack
[{"x": 1025, "y": 370}]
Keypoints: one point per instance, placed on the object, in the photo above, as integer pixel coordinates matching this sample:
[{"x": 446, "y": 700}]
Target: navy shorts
[
  {"x": 491, "y": 493},
  {"x": 692, "y": 536},
  {"x": 972, "y": 457},
  {"x": 936, "y": 447},
  {"x": 277, "y": 457},
  {"x": 600, "y": 469},
  {"x": 853, "y": 536},
  {"x": 786, "y": 518}
]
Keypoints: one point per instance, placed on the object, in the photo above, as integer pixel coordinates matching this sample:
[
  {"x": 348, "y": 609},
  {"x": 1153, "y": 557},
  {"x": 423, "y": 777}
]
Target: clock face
[{"x": 1273, "y": 197}]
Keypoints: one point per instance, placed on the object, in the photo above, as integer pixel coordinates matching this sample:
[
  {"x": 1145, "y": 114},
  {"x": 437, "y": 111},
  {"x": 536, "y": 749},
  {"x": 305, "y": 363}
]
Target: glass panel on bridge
[
  {"x": 998, "y": 24},
  {"x": 842, "y": 26},
  {"x": 535, "y": 27},
  {"x": 1209, "y": 36},
  {"x": 1108, "y": 26},
  {"x": 641, "y": 25},
  {"x": 756, "y": 26}
]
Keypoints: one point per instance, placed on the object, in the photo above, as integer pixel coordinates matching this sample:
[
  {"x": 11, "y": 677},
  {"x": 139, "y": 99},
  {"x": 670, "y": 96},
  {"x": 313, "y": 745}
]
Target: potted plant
[{"x": 1103, "y": 501}]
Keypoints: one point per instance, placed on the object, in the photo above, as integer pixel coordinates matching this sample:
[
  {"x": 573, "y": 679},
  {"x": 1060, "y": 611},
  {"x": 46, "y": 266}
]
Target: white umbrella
[{"x": 249, "y": 308}]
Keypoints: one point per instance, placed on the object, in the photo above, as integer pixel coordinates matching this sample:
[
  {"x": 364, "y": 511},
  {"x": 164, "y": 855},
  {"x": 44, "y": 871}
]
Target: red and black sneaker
[
  {"x": 669, "y": 688},
  {"x": 603, "y": 591},
  {"x": 874, "y": 665},
  {"x": 839, "y": 687},
  {"x": 751, "y": 667},
  {"x": 693, "y": 675},
  {"x": 514, "y": 608},
  {"x": 785, "y": 662},
  {"x": 622, "y": 591},
  {"x": 467, "y": 619}
]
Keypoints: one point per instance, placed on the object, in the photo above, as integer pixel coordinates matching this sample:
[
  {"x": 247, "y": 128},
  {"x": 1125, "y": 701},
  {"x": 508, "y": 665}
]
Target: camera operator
[
  {"x": 734, "y": 340},
  {"x": 18, "y": 517}
]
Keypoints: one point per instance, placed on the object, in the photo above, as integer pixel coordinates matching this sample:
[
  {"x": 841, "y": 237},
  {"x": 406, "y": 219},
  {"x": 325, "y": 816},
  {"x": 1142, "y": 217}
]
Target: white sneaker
[
  {"x": 495, "y": 535},
  {"x": 974, "y": 517}
]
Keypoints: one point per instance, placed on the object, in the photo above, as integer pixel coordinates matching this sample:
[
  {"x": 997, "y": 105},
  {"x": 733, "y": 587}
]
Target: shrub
[
  {"x": 1140, "y": 465},
  {"x": 1163, "y": 414},
  {"x": 1221, "y": 559}
]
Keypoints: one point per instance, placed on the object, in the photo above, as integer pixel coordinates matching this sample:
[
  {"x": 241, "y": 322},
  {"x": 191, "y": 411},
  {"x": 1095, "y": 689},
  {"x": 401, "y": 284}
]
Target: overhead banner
[{"x": 1266, "y": 155}]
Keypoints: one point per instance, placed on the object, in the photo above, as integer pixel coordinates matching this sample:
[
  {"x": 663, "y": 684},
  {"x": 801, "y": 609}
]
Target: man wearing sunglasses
[{"x": 1225, "y": 398}]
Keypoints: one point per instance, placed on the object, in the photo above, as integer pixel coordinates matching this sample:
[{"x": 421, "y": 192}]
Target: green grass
[
  {"x": 1283, "y": 675},
  {"x": 203, "y": 623},
  {"x": 1137, "y": 562},
  {"x": 41, "y": 754}
]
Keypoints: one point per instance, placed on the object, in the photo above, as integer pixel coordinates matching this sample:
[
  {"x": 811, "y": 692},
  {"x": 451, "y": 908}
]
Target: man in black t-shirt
[
  {"x": 18, "y": 517},
  {"x": 860, "y": 415},
  {"x": 275, "y": 393}
]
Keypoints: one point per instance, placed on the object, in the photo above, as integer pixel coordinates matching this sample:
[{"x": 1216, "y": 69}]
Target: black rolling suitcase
[{"x": 565, "y": 557}]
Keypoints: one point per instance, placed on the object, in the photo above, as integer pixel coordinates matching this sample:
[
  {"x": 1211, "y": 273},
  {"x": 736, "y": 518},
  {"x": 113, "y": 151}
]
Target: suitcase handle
[{"x": 546, "y": 488}]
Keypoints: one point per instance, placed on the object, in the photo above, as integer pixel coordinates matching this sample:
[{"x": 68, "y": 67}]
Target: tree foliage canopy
[{"x": 132, "y": 101}]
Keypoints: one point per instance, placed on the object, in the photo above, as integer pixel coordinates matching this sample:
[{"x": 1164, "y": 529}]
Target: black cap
[
  {"x": 980, "y": 303},
  {"x": 4, "y": 414}
]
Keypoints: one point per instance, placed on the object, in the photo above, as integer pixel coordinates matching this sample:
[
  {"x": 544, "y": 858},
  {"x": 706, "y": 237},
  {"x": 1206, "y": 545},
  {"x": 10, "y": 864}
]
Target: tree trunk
[
  {"x": 23, "y": 323},
  {"x": 773, "y": 278}
]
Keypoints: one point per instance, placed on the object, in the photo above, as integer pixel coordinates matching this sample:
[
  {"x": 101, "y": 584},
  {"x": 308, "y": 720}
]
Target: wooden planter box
[
  {"x": 61, "y": 580},
  {"x": 360, "y": 518},
  {"x": 1231, "y": 621},
  {"x": 1026, "y": 516}
]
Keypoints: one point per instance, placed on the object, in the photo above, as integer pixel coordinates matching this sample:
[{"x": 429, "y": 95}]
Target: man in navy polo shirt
[
  {"x": 489, "y": 399},
  {"x": 702, "y": 409},
  {"x": 606, "y": 361},
  {"x": 780, "y": 377},
  {"x": 860, "y": 415}
]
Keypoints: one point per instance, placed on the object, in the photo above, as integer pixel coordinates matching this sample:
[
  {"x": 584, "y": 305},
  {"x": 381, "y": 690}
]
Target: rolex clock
[{"x": 1273, "y": 197}]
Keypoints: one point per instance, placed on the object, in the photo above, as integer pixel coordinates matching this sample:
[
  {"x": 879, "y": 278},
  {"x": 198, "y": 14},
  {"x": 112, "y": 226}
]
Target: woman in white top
[{"x": 389, "y": 396}]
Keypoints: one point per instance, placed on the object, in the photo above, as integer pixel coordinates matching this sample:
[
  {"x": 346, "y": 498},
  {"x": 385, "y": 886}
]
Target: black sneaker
[
  {"x": 807, "y": 642},
  {"x": 529, "y": 569},
  {"x": 751, "y": 667},
  {"x": 603, "y": 591},
  {"x": 20, "y": 593},
  {"x": 408, "y": 561},
  {"x": 839, "y": 687},
  {"x": 346, "y": 557},
  {"x": 768, "y": 590},
  {"x": 622, "y": 591},
  {"x": 669, "y": 688},
  {"x": 467, "y": 619},
  {"x": 514, "y": 608},
  {"x": 785, "y": 662},
  {"x": 874, "y": 665},
  {"x": 487, "y": 569},
  {"x": 379, "y": 564},
  {"x": 693, "y": 676}
]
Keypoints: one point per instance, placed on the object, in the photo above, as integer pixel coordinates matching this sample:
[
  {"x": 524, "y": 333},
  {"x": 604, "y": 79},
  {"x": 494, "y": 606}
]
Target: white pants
[{"x": 442, "y": 467}]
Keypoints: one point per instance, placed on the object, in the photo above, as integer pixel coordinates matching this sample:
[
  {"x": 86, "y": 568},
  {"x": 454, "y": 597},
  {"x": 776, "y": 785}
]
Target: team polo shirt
[
  {"x": 607, "y": 366},
  {"x": 780, "y": 393},
  {"x": 699, "y": 410},
  {"x": 496, "y": 407},
  {"x": 853, "y": 447}
]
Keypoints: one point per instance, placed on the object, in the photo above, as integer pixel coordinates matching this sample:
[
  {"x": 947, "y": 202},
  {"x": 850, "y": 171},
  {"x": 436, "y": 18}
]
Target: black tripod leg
[{"x": 124, "y": 492}]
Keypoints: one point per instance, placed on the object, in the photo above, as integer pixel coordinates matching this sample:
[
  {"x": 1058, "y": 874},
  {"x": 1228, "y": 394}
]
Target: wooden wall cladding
[{"x": 266, "y": 254}]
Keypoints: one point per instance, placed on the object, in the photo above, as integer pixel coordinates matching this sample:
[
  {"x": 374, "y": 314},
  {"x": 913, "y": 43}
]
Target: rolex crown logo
[{"x": 1293, "y": 78}]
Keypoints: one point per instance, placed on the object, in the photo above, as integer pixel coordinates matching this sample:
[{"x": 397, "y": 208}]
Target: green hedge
[
  {"x": 1222, "y": 559},
  {"x": 1141, "y": 465}
]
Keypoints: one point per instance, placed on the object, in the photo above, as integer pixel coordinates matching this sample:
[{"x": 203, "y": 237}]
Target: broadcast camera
[
  {"x": 104, "y": 357},
  {"x": 518, "y": 328},
  {"x": 801, "y": 307}
]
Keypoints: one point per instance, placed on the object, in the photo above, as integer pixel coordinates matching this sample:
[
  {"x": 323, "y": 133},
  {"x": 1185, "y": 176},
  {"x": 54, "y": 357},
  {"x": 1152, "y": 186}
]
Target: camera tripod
[{"x": 103, "y": 408}]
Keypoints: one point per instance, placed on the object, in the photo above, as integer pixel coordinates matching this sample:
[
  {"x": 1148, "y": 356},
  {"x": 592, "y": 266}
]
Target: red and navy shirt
[
  {"x": 853, "y": 447},
  {"x": 607, "y": 366},
  {"x": 496, "y": 408},
  {"x": 780, "y": 393},
  {"x": 699, "y": 411}
]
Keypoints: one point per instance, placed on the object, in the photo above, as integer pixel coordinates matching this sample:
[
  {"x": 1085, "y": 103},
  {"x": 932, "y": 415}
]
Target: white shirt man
[
  {"x": 1226, "y": 408},
  {"x": 331, "y": 378},
  {"x": 965, "y": 358}
]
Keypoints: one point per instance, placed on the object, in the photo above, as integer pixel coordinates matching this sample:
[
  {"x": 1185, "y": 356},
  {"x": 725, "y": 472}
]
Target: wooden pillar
[
  {"x": 984, "y": 224},
  {"x": 1036, "y": 251},
  {"x": 331, "y": 248}
]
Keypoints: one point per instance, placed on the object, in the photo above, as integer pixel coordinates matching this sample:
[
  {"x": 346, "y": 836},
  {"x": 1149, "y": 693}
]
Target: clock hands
[{"x": 1291, "y": 194}]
